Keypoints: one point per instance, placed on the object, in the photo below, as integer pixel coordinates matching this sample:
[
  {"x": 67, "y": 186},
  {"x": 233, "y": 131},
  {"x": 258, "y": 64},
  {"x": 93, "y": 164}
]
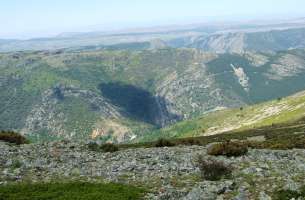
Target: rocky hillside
[
  {"x": 166, "y": 173},
  {"x": 273, "y": 40},
  {"x": 119, "y": 95}
]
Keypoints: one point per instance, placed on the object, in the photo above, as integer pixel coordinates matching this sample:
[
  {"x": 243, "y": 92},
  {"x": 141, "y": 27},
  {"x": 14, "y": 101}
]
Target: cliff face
[{"x": 73, "y": 94}]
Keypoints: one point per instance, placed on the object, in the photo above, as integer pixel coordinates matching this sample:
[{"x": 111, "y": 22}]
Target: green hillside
[{"x": 272, "y": 113}]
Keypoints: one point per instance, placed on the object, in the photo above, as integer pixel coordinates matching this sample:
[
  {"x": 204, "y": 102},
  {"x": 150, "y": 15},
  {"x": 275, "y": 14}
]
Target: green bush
[
  {"x": 289, "y": 194},
  {"x": 286, "y": 195},
  {"x": 228, "y": 149},
  {"x": 13, "y": 137},
  {"x": 16, "y": 164},
  {"x": 107, "y": 147},
  {"x": 213, "y": 170},
  {"x": 164, "y": 143},
  {"x": 68, "y": 191},
  {"x": 93, "y": 146}
]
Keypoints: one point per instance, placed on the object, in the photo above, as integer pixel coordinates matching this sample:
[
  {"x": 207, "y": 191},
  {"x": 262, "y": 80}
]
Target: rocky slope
[
  {"x": 168, "y": 173},
  {"x": 274, "y": 40},
  {"x": 121, "y": 94}
]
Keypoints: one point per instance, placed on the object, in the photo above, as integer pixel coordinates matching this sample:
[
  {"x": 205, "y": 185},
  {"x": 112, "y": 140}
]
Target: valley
[
  {"x": 72, "y": 94},
  {"x": 152, "y": 100}
]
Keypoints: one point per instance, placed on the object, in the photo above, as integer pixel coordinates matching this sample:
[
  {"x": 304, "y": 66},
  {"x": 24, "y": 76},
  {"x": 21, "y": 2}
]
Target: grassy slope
[
  {"x": 279, "y": 111},
  {"x": 63, "y": 191},
  {"x": 282, "y": 136}
]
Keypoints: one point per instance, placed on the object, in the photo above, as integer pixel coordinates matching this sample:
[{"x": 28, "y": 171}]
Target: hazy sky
[{"x": 33, "y": 18}]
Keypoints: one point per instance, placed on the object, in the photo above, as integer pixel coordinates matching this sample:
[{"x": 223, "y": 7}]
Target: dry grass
[
  {"x": 213, "y": 170},
  {"x": 228, "y": 149},
  {"x": 13, "y": 137}
]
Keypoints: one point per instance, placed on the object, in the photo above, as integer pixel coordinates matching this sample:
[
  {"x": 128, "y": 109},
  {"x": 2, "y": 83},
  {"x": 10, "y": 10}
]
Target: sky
[{"x": 43, "y": 18}]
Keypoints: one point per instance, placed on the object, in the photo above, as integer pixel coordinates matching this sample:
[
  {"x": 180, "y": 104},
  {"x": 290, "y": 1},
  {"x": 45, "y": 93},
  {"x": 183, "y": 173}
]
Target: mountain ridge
[{"x": 218, "y": 37}]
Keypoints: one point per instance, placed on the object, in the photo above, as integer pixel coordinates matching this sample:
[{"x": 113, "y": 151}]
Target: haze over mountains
[{"x": 216, "y": 37}]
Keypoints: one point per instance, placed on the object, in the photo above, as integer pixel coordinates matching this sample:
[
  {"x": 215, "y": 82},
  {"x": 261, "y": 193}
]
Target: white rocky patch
[
  {"x": 286, "y": 66},
  {"x": 243, "y": 79},
  {"x": 256, "y": 60}
]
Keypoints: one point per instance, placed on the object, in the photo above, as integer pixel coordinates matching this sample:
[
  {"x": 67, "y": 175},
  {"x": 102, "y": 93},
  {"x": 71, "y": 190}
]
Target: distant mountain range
[{"x": 217, "y": 37}]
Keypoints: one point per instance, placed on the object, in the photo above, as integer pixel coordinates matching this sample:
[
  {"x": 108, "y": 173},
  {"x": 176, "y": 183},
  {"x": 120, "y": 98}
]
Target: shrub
[
  {"x": 164, "y": 143},
  {"x": 93, "y": 146},
  {"x": 16, "y": 164},
  {"x": 108, "y": 147},
  {"x": 13, "y": 137},
  {"x": 286, "y": 195},
  {"x": 228, "y": 149},
  {"x": 190, "y": 141},
  {"x": 213, "y": 170},
  {"x": 289, "y": 194}
]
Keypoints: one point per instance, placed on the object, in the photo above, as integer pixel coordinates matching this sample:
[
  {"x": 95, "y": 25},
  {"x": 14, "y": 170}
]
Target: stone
[
  {"x": 264, "y": 196},
  {"x": 291, "y": 185},
  {"x": 75, "y": 172}
]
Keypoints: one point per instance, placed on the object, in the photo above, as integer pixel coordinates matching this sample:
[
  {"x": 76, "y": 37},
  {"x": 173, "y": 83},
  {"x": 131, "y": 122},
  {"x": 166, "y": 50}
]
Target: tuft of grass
[
  {"x": 213, "y": 170},
  {"x": 67, "y": 191},
  {"x": 289, "y": 194},
  {"x": 13, "y": 137},
  {"x": 228, "y": 149},
  {"x": 16, "y": 164},
  {"x": 286, "y": 195},
  {"x": 164, "y": 143}
]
